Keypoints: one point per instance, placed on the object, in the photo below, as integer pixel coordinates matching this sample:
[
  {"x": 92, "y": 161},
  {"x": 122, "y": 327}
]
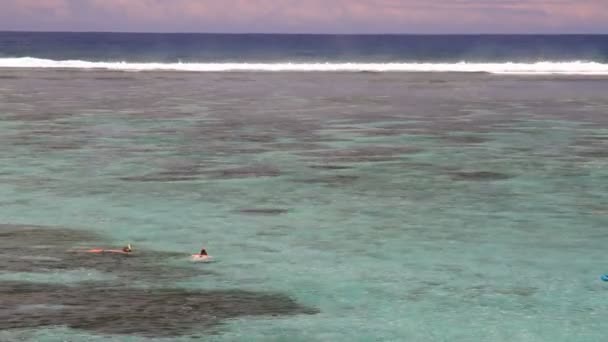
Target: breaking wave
[{"x": 547, "y": 68}]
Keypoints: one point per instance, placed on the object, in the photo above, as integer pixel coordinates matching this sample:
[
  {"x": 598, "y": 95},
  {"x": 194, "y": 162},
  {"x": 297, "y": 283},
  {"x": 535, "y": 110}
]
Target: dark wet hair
[{"x": 203, "y": 251}]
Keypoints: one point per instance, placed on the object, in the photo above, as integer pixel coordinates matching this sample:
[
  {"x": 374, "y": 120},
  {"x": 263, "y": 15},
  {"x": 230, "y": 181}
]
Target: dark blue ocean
[{"x": 272, "y": 48}]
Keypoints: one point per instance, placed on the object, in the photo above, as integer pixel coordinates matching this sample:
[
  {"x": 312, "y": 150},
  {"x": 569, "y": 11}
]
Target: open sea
[{"x": 349, "y": 188}]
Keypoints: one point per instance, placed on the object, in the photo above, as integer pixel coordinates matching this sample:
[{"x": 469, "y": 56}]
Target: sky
[{"x": 308, "y": 16}]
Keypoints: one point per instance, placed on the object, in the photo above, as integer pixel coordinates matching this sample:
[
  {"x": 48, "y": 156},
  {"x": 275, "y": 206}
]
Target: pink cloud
[{"x": 59, "y": 8}]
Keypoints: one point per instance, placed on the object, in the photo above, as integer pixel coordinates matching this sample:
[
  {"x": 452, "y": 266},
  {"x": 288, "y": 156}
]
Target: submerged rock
[
  {"x": 105, "y": 309},
  {"x": 263, "y": 211},
  {"x": 479, "y": 176}
]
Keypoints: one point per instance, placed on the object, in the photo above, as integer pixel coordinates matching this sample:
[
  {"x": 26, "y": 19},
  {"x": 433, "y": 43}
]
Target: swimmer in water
[
  {"x": 127, "y": 249},
  {"x": 202, "y": 256}
]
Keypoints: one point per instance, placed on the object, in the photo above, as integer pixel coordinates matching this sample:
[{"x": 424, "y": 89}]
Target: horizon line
[{"x": 316, "y": 34}]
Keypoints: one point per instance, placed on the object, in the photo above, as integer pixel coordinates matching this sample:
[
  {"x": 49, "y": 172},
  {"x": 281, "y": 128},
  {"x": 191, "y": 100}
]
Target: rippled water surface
[{"x": 337, "y": 206}]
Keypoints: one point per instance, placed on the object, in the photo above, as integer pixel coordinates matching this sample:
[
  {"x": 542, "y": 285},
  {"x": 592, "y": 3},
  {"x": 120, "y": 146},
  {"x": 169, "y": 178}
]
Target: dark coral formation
[
  {"x": 119, "y": 307},
  {"x": 121, "y": 310}
]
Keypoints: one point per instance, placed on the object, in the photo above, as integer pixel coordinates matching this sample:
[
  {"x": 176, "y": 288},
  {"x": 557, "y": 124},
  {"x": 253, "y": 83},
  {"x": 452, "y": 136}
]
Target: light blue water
[{"x": 418, "y": 207}]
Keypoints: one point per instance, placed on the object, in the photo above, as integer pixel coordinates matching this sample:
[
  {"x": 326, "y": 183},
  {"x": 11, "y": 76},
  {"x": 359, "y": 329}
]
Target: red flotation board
[{"x": 111, "y": 251}]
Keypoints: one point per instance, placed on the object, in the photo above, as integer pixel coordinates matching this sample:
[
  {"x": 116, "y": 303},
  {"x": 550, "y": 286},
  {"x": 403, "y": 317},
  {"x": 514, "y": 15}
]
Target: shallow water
[{"x": 424, "y": 207}]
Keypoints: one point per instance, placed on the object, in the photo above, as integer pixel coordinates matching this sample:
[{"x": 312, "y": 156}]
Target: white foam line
[{"x": 563, "y": 68}]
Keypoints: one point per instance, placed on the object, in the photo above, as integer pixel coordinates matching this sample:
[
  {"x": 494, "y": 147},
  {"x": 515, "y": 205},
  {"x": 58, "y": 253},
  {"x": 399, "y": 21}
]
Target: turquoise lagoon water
[{"x": 390, "y": 207}]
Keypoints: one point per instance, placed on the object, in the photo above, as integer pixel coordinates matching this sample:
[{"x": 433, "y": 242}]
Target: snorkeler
[
  {"x": 202, "y": 256},
  {"x": 125, "y": 250}
]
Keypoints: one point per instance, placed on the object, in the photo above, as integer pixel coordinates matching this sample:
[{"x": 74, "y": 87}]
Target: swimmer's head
[
  {"x": 203, "y": 251},
  {"x": 127, "y": 249}
]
